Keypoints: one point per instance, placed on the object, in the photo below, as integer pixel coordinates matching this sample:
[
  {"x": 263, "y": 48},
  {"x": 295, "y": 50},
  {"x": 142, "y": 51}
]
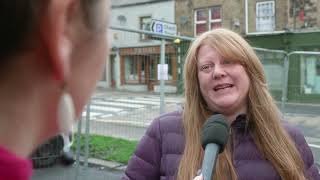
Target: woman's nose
[{"x": 218, "y": 72}]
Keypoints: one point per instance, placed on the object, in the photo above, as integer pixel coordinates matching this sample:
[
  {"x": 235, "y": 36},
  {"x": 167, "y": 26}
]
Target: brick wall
[
  {"x": 184, "y": 17},
  {"x": 306, "y": 14}
]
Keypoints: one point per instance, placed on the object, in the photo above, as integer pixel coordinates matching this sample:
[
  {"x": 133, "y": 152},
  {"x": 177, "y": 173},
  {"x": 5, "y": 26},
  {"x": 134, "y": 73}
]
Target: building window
[
  {"x": 131, "y": 69},
  {"x": 265, "y": 16},
  {"x": 145, "y": 23},
  {"x": 200, "y": 21},
  {"x": 215, "y": 17},
  {"x": 203, "y": 17},
  {"x": 122, "y": 20},
  {"x": 311, "y": 73}
]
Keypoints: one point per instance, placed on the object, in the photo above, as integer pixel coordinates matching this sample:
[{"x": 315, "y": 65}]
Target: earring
[{"x": 66, "y": 113}]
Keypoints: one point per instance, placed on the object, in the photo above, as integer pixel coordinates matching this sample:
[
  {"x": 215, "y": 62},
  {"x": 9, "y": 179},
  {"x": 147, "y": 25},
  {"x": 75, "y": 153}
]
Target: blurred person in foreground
[
  {"x": 223, "y": 74},
  {"x": 52, "y": 54}
]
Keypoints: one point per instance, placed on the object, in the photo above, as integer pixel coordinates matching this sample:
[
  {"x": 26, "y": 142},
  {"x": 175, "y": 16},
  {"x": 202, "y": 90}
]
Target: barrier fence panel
[
  {"x": 144, "y": 78},
  {"x": 135, "y": 94},
  {"x": 304, "y": 77},
  {"x": 302, "y": 106},
  {"x": 132, "y": 75},
  {"x": 274, "y": 66}
]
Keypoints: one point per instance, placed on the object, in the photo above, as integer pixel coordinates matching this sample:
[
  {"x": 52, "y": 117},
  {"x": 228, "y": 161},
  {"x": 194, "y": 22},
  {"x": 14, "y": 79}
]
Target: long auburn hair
[{"x": 263, "y": 116}]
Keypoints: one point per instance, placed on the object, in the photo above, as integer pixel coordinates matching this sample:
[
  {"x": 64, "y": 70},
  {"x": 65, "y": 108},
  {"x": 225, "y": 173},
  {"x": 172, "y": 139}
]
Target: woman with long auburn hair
[{"x": 223, "y": 74}]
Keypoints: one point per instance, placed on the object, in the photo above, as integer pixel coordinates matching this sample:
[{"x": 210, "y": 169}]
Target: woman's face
[
  {"x": 90, "y": 53},
  {"x": 224, "y": 84}
]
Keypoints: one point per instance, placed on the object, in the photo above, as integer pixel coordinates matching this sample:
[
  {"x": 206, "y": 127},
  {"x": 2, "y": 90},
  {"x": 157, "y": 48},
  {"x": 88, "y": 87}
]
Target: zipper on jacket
[{"x": 231, "y": 145}]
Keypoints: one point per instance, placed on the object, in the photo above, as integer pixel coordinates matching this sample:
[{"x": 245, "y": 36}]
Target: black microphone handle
[{"x": 209, "y": 160}]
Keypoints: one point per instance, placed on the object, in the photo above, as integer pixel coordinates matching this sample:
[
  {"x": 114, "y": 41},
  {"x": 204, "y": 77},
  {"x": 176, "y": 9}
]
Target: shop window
[
  {"x": 169, "y": 62},
  {"x": 318, "y": 67},
  {"x": 141, "y": 69},
  {"x": 265, "y": 16},
  {"x": 131, "y": 69},
  {"x": 312, "y": 75}
]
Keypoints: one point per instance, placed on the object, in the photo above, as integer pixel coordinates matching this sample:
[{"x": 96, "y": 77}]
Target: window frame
[
  {"x": 144, "y": 37},
  {"x": 215, "y": 20},
  {"x": 258, "y": 4},
  {"x": 199, "y": 22}
]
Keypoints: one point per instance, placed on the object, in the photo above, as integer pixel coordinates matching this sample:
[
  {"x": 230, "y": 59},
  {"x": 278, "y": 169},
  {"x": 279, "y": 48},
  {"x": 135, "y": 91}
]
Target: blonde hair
[{"x": 263, "y": 116}]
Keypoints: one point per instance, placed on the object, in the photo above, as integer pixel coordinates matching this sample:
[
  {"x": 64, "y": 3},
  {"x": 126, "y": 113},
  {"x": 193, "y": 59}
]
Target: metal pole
[
  {"x": 285, "y": 83},
  {"x": 270, "y": 50},
  {"x": 87, "y": 134},
  {"x": 162, "y": 61},
  {"x": 78, "y": 148},
  {"x": 179, "y": 71}
]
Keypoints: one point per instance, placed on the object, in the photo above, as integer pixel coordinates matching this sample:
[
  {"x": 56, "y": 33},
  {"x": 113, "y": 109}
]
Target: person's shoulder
[
  {"x": 300, "y": 142},
  {"x": 171, "y": 120},
  {"x": 170, "y": 116},
  {"x": 167, "y": 122},
  {"x": 303, "y": 148},
  {"x": 294, "y": 132}
]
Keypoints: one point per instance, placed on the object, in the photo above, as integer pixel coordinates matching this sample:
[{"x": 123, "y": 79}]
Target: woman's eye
[
  {"x": 227, "y": 62},
  {"x": 205, "y": 67}
]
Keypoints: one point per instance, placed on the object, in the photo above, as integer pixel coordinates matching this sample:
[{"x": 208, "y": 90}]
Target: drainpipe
[
  {"x": 294, "y": 14},
  {"x": 246, "y": 14}
]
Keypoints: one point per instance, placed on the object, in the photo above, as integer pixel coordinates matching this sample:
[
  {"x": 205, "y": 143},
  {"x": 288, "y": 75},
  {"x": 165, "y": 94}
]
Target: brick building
[
  {"x": 244, "y": 16},
  {"x": 289, "y": 25}
]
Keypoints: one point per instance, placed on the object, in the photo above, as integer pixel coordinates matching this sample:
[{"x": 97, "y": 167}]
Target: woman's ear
[{"x": 55, "y": 38}]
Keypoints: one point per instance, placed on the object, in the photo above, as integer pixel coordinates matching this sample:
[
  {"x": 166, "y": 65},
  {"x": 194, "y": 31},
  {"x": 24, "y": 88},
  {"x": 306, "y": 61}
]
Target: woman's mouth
[{"x": 222, "y": 86}]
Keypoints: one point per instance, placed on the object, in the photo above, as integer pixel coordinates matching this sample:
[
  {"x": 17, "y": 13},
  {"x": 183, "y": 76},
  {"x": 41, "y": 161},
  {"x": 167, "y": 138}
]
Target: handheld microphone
[{"x": 214, "y": 137}]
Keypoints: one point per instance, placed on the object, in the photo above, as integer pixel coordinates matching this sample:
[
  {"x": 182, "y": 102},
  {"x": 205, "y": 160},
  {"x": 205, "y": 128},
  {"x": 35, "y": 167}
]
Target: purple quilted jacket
[{"x": 158, "y": 154}]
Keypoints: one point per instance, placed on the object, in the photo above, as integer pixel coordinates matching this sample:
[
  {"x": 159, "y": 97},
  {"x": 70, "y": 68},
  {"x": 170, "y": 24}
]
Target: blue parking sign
[
  {"x": 162, "y": 27},
  {"x": 159, "y": 28}
]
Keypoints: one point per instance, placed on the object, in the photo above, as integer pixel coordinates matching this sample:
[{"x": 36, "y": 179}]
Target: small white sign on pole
[{"x": 163, "y": 72}]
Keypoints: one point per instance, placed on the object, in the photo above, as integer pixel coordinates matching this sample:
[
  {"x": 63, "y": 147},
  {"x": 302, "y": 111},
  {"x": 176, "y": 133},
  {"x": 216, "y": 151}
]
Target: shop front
[
  {"x": 138, "y": 68},
  {"x": 304, "y": 63}
]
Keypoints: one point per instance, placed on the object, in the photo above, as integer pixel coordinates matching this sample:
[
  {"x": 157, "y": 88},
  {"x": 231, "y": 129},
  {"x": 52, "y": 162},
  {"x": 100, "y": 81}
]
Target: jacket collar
[{"x": 240, "y": 123}]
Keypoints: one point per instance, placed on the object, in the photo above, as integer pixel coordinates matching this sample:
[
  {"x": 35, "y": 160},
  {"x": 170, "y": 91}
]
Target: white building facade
[{"x": 133, "y": 62}]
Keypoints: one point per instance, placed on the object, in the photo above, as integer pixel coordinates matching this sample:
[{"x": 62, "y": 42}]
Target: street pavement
[
  {"x": 127, "y": 115},
  {"x": 104, "y": 108},
  {"x": 59, "y": 172},
  {"x": 113, "y": 106}
]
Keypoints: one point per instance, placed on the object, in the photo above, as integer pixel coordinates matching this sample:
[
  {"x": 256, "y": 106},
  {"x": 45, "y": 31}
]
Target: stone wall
[{"x": 304, "y": 14}]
